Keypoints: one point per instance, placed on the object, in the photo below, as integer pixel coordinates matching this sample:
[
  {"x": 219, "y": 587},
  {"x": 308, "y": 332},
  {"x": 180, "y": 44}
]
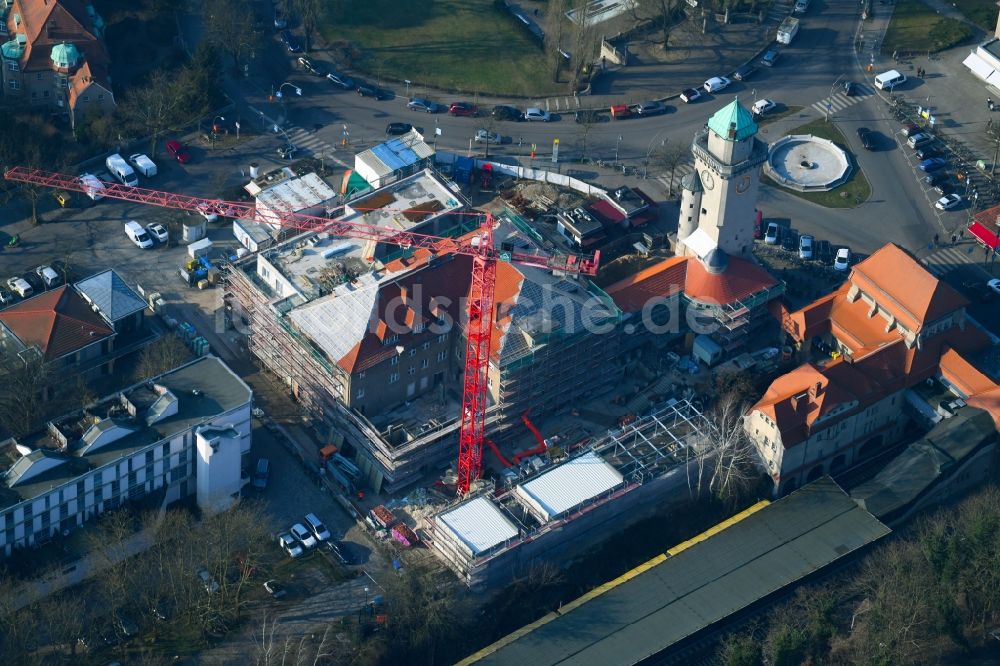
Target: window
[
  {"x": 393, "y": 377},
  {"x": 360, "y": 393},
  {"x": 442, "y": 338},
  {"x": 418, "y": 327},
  {"x": 442, "y": 355},
  {"x": 361, "y": 375},
  {"x": 394, "y": 360},
  {"x": 100, "y": 98},
  {"x": 426, "y": 345},
  {"x": 424, "y": 363},
  {"x": 12, "y": 66},
  {"x": 165, "y": 451},
  {"x": 38, "y": 77},
  {"x": 411, "y": 371},
  {"x": 15, "y": 84},
  {"x": 391, "y": 340},
  {"x": 86, "y": 98},
  {"x": 413, "y": 351}
]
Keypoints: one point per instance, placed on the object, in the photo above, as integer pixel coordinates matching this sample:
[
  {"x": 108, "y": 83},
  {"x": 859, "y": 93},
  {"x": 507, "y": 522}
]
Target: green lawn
[
  {"x": 981, "y": 12},
  {"x": 915, "y": 27},
  {"x": 848, "y": 195},
  {"x": 462, "y": 45}
]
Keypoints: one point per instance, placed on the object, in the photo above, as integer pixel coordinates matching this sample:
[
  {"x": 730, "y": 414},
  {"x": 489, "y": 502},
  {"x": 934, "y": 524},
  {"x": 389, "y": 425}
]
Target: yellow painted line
[{"x": 611, "y": 584}]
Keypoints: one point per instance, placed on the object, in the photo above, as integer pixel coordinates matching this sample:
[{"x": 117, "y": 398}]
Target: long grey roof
[
  {"x": 109, "y": 292},
  {"x": 643, "y": 613}
]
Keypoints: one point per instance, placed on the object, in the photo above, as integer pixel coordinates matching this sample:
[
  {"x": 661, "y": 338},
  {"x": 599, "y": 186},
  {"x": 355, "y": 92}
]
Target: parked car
[
  {"x": 313, "y": 67},
  {"x": 535, "y": 114},
  {"x": 745, "y": 72},
  {"x": 865, "y": 136},
  {"x": 843, "y": 259},
  {"x": 919, "y": 139},
  {"x": 275, "y": 589},
  {"x": 177, "y": 151},
  {"x": 157, "y": 231},
  {"x": 6, "y": 298},
  {"x": 290, "y": 41},
  {"x": 773, "y": 233},
  {"x": 463, "y": 109},
  {"x": 587, "y": 117},
  {"x": 504, "y": 112},
  {"x": 805, "y": 247},
  {"x": 948, "y": 201},
  {"x": 909, "y": 129},
  {"x": 395, "y": 129},
  {"x": 20, "y": 286},
  {"x": 290, "y": 545},
  {"x": 341, "y": 80},
  {"x": 690, "y": 95},
  {"x": 994, "y": 284},
  {"x": 261, "y": 475},
  {"x": 304, "y": 536},
  {"x": 317, "y": 527},
  {"x": 210, "y": 584},
  {"x": 652, "y": 108},
  {"x": 771, "y": 57},
  {"x": 486, "y": 136},
  {"x": 925, "y": 153},
  {"x": 762, "y": 106},
  {"x": 421, "y": 104},
  {"x": 206, "y": 212},
  {"x": 943, "y": 188},
  {"x": 49, "y": 277},
  {"x": 138, "y": 235},
  {"x": 850, "y": 88},
  {"x": 932, "y": 164},
  {"x": 935, "y": 179},
  {"x": 716, "y": 83},
  {"x": 368, "y": 90}
]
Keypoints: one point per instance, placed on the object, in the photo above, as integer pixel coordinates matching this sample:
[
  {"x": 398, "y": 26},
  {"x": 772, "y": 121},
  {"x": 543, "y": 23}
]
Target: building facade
[
  {"x": 186, "y": 432},
  {"x": 889, "y": 328}
]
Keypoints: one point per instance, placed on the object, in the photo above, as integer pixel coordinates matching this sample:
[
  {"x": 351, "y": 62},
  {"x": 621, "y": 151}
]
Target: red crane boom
[{"x": 481, "y": 293}]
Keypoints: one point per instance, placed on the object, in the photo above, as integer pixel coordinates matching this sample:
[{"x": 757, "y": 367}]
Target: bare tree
[
  {"x": 153, "y": 108},
  {"x": 726, "y": 458},
  {"x": 25, "y": 384},
  {"x": 165, "y": 354},
  {"x": 587, "y": 121},
  {"x": 663, "y": 14},
  {"x": 230, "y": 27},
  {"x": 669, "y": 156},
  {"x": 555, "y": 17},
  {"x": 583, "y": 44},
  {"x": 309, "y": 12}
]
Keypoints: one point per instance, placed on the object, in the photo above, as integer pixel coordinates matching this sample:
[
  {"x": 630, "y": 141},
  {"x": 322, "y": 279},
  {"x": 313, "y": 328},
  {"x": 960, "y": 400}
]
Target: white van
[
  {"x": 120, "y": 169},
  {"x": 143, "y": 165},
  {"x": 138, "y": 235},
  {"x": 889, "y": 80}
]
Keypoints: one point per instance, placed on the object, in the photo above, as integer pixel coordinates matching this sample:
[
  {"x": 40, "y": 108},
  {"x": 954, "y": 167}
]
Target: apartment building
[
  {"x": 186, "y": 432},
  {"x": 890, "y": 327}
]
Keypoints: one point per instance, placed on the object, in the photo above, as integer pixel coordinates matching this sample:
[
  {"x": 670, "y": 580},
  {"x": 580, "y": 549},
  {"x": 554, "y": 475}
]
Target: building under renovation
[{"x": 549, "y": 512}]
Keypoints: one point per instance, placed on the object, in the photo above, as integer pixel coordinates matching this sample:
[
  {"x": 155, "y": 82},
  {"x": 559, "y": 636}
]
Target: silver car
[
  {"x": 534, "y": 113},
  {"x": 421, "y": 104}
]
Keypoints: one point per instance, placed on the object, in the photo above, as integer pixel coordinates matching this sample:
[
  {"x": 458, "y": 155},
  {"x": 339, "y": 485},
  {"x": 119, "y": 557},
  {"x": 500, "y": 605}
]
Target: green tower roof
[
  {"x": 733, "y": 117},
  {"x": 65, "y": 55}
]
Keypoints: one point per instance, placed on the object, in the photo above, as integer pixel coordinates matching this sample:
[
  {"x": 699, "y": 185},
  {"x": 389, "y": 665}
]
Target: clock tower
[{"x": 719, "y": 198}]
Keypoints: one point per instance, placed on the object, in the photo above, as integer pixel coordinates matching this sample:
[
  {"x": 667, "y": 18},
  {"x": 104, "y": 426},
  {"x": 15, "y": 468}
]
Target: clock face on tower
[
  {"x": 707, "y": 180},
  {"x": 743, "y": 184}
]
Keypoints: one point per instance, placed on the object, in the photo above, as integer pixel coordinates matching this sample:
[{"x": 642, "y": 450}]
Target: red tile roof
[
  {"x": 70, "y": 23},
  {"x": 657, "y": 281},
  {"x": 58, "y": 322},
  {"x": 741, "y": 278},
  {"x": 899, "y": 284}
]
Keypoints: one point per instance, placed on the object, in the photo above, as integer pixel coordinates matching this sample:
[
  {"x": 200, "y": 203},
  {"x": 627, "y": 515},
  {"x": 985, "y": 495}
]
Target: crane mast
[{"x": 479, "y": 246}]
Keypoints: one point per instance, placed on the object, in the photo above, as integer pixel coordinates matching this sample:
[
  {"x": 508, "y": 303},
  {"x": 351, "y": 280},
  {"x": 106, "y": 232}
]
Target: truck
[
  {"x": 143, "y": 165},
  {"x": 787, "y": 30},
  {"x": 120, "y": 169}
]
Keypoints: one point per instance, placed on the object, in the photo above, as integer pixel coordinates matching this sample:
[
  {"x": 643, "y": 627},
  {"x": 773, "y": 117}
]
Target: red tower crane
[{"x": 479, "y": 246}]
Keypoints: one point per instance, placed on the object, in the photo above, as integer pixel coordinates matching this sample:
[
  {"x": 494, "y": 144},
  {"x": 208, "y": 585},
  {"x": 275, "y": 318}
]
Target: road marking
[
  {"x": 840, "y": 101},
  {"x": 308, "y": 141},
  {"x": 945, "y": 260}
]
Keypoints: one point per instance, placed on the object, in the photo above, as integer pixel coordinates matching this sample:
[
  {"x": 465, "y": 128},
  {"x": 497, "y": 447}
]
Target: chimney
[{"x": 815, "y": 390}]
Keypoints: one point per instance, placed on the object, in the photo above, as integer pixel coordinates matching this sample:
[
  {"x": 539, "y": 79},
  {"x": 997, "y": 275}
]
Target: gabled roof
[
  {"x": 109, "y": 292},
  {"x": 906, "y": 289},
  {"x": 732, "y": 122},
  {"x": 58, "y": 322},
  {"x": 47, "y": 23},
  {"x": 84, "y": 79}
]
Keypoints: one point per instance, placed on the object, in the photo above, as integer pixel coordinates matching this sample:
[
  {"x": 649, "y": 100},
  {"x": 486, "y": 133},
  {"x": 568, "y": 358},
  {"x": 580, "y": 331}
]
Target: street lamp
[
  {"x": 278, "y": 93},
  {"x": 617, "y": 146},
  {"x": 407, "y": 82},
  {"x": 829, "y": 99},
  {"x": 649, "y": 151}
]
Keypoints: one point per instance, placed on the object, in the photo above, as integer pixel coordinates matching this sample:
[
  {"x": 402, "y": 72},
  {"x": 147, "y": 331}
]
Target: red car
[
  {"x": 463, "y": 109},
  {"x": 176, "y": 150}
]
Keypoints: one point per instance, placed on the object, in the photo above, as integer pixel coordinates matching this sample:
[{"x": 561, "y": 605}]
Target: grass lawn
[
  {"x": 775, "y": 116},
  {"x": 461, "y": 45},
  {"x": 845, "y": 196},
  {"x": 917, "y": 27},
  {"x": 981, "y": 12}
]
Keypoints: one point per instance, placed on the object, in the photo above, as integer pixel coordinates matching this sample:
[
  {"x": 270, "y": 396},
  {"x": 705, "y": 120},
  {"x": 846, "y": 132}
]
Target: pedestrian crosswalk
[
  {"x": 840, "y": 101},
  {"x": 946, "y": 259},
  {"x": 308, "y": 142},
  {"x": 680, "y": 171}
]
